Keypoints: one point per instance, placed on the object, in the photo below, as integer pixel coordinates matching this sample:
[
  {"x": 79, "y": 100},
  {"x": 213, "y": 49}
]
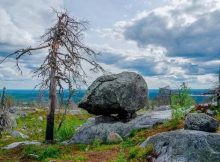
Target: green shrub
[
  {"x": 67, "y": 129},
  {"x": 139, "y": 153},
  {"x": 96, "y": 143},
  {"x": 172, "y": 124},
  {"x": 83, "y": 147},
  {"x": 133, "y": 132},
  {"x": 65, "y": 132},
  {"x": 49, "y": 152},
  {"x": 42, "y": 153},
  {"x": 127, "y": 143},
  {"x": 181, "y": 102}
]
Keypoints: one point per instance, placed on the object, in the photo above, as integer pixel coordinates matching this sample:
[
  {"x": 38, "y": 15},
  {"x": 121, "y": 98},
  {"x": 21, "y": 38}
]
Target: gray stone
[
  {"x": 33, "y": 156},
  {"x": 7, "y": 121},
  {"x": 210, "y": 112},
  {"x": 201, "y": 121},
  {"x": 18, "y": 134},
  {"x": 12, "y": 110},
  {"x": 13, "y": 122},
  {"x": 95, "y": 128},
  {"x": 114, "y": 138},
  {"x": 17, "y": 144},
  {"x": 22, "y": 114},
  {"x": 75, "y": 111},
  {"x": 162, "y": 108},
  {"x": 185, "y": 146},
  {"x": 122, "y": 94}
]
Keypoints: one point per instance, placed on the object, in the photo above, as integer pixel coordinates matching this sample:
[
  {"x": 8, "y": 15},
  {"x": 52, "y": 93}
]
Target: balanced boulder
[
  {"x": 122, "y": 94},
  {"x": 201, "y": 122}
]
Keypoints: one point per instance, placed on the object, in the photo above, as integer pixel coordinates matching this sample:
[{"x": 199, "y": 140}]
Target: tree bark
[
  {"x": 3, "y": 100},
  {"x": 49, "y": 137}
]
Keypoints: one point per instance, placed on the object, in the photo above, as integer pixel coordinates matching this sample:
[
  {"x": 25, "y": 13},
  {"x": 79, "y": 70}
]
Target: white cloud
[
  {"x": 23, "y": 22},
  {"x": 185, "y": 28},
  {"x": 10, "y": 33},
  {"x": 170, "y": 39}
]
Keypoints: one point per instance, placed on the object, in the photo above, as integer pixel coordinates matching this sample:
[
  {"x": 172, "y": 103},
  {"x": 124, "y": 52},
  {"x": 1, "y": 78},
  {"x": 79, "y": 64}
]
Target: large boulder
[
  {"x": 122, "y": 94},
  {"x": 185, "y": 146},
  {"x": 100, "y": 127},
  {"x": 201, "y": 122}
]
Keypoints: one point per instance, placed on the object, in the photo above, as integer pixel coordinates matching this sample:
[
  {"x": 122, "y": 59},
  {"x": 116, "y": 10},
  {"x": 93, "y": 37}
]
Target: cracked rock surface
[
  {"x": 121, "y": 93},
  {"x": 201, "y": 122},
  {"x": 185, "y": 146},
  {"x": 99, "y": 127}
]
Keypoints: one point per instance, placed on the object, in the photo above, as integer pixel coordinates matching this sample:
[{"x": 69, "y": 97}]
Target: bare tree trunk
[
  {"x": 52, "y": 106},
  {"x": 3, "y": 100},
  {"x": 49, "y": 138}
]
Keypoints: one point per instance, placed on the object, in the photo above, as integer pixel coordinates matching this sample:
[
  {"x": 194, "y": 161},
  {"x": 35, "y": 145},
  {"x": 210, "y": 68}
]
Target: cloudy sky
[{"x": 167, "y": 41}]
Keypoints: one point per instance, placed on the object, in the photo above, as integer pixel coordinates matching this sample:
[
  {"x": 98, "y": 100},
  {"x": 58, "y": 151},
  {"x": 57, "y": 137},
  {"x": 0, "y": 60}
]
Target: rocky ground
[
  {"x": 122, "y": 128},
  {"x": 29, "y": 134},
  {"x": 26, "y": 143},
  {"x": 100, "y": 127}
]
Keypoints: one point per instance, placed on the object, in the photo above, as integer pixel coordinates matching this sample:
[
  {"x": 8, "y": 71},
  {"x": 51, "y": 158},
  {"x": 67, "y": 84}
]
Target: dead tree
[
  {"x": 3, "y": 101},
  {"x": 63, "y": 64},
  {"x": 5, "y": 121}
]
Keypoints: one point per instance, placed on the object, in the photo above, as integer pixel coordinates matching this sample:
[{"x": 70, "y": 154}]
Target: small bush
[
  {"x": 173, "y": 123},
  {"x": 127, "y": 143},
  {"x": 69, "y": 125},
  {"x": 133, "y": 132},
  {"x": 42, "y": 153},
  {"x": 49, "y": 152},
  {"x": 181, "y": 102},
  {"x": 139, "y": 153},
  {"x": 83, "y": 147},
  {"x": 65, "y": 132},
  {"x": 96, "y": 143}
]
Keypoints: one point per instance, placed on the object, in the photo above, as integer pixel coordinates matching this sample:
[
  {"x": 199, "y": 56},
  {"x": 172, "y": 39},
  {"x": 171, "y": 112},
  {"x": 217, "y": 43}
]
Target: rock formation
[
  {"x": 100, "y": 127},
  {"x": 201, "y": 122},
  {"x": 185, "y": 146},
  {"x": 121, "y": 94}
]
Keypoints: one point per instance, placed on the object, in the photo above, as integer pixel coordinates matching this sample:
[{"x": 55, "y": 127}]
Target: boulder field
[{"x": 197, "y": 143}]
